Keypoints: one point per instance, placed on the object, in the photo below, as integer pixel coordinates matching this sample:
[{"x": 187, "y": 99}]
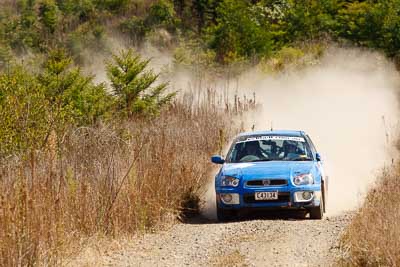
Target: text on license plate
[{"x": 266, "y": 195}]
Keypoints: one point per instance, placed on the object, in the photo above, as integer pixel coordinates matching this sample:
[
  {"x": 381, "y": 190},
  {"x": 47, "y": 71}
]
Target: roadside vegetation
[
  {"x": 222, "y": 31},
  {"x": 79, "y": 158},
  {"x": 373, "y": 237}
]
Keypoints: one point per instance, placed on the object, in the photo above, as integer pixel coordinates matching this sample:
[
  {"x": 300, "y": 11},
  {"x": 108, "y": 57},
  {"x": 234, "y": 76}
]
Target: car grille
[
  {"x": 282, "y": 197},
  {"x": 267, "y": 182}
]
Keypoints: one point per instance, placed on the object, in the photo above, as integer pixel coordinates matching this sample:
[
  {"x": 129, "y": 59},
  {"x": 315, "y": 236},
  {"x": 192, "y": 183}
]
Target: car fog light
[
  {"x": 307, "y": 195},
  {"x": 303, "y": 196},
  {"x": 226, "y": 197},
  {"x": 230, "y": 198}
]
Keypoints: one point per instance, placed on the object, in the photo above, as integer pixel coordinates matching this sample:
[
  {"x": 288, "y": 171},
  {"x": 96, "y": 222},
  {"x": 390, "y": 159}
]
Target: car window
[
  {"x": 269, "y": 147},
  {"x": 312, "y": 146}
]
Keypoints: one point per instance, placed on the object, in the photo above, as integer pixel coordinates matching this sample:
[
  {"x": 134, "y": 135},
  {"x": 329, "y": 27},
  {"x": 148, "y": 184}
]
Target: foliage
[
  {"x": 289, "y": 58},
  {"x": 239, "y": 32},
  {"x": 161, "y": 13},
  {"x": 135, "y": 86},
  {"x": 135, "y": 28},
  {"x": 83, "y": 9},
  {"x": 360, "y": 23},
  {"x": 34, "y": 105},
  {"x": 73, "y": 97},
  {"x": 48, "y": 15},
  {"x": 23, "y": 112},
  {"x": 111, "y": 5},
  {"x": 234, "y": 30},
  {"x": 5, "y": 56}
]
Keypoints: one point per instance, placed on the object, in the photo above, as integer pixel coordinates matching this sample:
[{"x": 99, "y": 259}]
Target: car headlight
[
  {"x": 303, "y": 179},
  {"x": 229, "y": 181}
]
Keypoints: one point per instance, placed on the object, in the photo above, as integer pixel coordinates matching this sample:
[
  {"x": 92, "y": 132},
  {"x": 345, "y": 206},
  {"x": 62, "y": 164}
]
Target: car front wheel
[
  {"x": 224, "y": 215},
  {"x": 317, "y": 213}
]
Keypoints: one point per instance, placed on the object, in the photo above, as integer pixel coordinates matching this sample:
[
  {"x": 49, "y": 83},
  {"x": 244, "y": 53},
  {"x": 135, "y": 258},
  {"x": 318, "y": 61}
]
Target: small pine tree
[
  {"x": 48, "y": 15},
  {"x": 135, "y": 86},
  {"x": 73, "y": 96}
]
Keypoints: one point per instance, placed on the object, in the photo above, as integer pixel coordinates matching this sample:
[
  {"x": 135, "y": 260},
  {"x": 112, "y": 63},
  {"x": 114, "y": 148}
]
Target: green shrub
[
  {"x": 161, "y": 13},
  {"x": 111, "y": 5},
  {"x": 48, "y": 15},
  {"x": 23, "y": 112},
  {"x": 135, "y": 28},
  {"x": 239, "y": 33},
  {"x": 82, "y": 9},
  {"x": 5, "y": 56}
]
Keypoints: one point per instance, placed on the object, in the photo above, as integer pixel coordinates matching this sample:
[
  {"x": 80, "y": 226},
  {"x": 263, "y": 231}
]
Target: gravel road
[{"x": 257, "y": 241}]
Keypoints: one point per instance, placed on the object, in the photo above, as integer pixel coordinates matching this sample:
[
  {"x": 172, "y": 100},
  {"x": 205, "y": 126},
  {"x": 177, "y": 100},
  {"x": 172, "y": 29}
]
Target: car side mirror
[
  {"x": 318, "y": 157},
  {"x": 217, "y": 159}
]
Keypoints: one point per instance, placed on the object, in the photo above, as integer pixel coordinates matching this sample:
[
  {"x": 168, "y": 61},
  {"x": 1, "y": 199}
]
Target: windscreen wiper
[
  {"x": 258, "y": 160},
  {"x": 302, "y": 159}
]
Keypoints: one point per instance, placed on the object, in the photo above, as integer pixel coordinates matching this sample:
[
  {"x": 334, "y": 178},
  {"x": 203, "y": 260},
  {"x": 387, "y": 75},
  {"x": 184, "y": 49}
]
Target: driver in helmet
[
  {"x": 290, "y": 149},
  {"x": 253, "y": 148}
]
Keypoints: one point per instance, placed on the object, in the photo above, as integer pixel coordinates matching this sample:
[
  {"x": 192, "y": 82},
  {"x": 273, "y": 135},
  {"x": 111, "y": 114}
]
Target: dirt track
[{"x": 250, "y": 242}]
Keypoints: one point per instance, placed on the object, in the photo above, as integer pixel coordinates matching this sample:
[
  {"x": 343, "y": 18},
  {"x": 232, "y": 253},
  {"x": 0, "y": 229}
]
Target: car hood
[{"x": 268, "y": 169}]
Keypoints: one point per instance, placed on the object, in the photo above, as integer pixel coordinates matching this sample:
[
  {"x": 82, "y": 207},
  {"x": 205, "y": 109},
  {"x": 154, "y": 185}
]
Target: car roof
[{"x": 274, "y": 132}]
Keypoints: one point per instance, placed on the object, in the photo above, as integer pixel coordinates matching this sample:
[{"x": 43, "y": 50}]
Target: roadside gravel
[{"x": 257, "y": 241}]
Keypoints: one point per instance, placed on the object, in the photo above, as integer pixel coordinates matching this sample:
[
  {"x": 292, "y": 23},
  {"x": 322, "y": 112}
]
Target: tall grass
[
  {"x": 112, "y": 179},
  {"x": 373, "y": 237}
]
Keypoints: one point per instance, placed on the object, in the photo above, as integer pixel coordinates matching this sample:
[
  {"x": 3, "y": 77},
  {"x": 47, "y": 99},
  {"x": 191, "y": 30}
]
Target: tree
[
  {"x": 240, "y": 32},
  {"x": 48, "y": 15},
  {"x": 135, "y": 86},
  {"x": 361, "y": 23},
  {"x": 73, "y": 97}
]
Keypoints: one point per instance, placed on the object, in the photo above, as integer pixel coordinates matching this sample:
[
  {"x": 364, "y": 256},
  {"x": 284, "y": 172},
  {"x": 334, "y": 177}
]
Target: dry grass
[
  {"x": 373, "y": 237},
  {"x": 110, "y": 180}
]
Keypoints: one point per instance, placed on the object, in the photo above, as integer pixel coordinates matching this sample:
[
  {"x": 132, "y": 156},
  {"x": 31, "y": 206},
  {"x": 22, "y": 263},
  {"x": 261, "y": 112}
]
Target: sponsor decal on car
[{"x": 272, "y": 137}]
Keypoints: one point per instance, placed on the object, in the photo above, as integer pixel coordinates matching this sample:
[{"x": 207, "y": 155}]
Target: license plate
[{"x": 266, "y": 195}]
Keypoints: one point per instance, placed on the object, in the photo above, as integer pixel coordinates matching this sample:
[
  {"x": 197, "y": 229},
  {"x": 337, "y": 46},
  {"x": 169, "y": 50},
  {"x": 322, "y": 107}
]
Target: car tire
[
  {"x": 317, "y": 213},
  {"x": 224, "y": 215},
  {"x": 325, "y": 196}
]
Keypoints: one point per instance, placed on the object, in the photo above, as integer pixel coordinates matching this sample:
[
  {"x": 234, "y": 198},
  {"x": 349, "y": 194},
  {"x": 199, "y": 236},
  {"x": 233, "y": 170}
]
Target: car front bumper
[{"x": 286, "y": 197}]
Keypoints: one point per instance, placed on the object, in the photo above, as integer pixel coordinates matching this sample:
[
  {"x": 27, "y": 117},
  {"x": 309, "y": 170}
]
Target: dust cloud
[{"x": 348, "y": 104}]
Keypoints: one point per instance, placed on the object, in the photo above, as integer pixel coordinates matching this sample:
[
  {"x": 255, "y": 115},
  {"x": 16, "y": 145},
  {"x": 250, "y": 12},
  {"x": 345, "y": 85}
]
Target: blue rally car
[{"x": 271, "y": 170}]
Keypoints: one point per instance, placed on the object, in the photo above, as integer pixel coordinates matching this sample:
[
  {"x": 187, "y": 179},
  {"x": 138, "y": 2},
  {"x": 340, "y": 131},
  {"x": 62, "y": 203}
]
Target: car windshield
[{"x": 267, "y": 148}]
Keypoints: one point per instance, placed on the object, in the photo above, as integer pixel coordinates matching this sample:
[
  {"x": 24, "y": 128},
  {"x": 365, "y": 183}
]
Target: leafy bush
[
  {"x": 161, "y": 13},
  {"x": 135, "y": 28},
  {"x": 360, "y": 23},
  {"x": 111, "y": 5},
  {"x": 5, "y": 56},
  {"x": 292, "y": 58},
  {"x": 83, "y": 9},
  {"x": 23, "y": 112},
  {"x": 239, "y": 32},
  {"x": 48, "y": 15}
]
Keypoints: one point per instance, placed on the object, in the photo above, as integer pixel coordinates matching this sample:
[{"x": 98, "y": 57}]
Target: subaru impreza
[{"x": 267, "y": 170}]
